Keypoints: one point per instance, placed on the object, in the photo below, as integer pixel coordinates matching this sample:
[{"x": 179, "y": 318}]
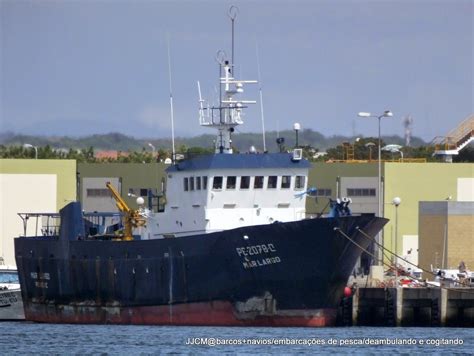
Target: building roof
[
  {"x": 110, "y": 154},
  {"x": 240, "y": 161}
]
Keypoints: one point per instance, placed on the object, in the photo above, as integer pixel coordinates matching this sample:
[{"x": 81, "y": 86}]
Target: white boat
[
  {"x": 454, "y": 277},
  {"x": 11, "y": 304}
]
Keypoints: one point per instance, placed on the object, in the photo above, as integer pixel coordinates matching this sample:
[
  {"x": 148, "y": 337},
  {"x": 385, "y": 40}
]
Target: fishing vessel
[
  {"x": 232, "y": 246},
  {"x": 11, "y": 306}
]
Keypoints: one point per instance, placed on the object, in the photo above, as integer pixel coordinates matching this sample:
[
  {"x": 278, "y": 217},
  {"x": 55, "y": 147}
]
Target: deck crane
[{"x": 131, "y": 218}]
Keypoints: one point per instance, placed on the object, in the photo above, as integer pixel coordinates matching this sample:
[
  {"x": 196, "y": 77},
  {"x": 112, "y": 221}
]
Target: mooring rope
[
  {"x": 379, "y": 260},
  {"x": 363, "y": 249},
  {"x": 403, "y": 259}
]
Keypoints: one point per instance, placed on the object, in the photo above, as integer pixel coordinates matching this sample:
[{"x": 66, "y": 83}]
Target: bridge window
[
  {"x": 300, "y": 182},
  {"x": 186, "y": 184},
  {"x": 244, "y": 182},
  {"x": 231, "y": 181},
  {"x": 217, "y": 183},
  {"x": 198, "y": 183},
  {"x": 204, "y": 182},
  {"x": 191, "y": 183},
  {"x": 285, "y": 182},
  {"x": 272, "y": 182},
  {"x": 258, "y": 182}
]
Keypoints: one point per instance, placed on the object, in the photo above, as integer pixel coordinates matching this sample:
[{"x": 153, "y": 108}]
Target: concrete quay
[{"x": 423, "y": 306}]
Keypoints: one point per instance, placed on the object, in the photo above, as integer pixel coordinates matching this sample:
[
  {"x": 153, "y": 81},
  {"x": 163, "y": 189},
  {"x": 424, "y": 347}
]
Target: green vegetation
[
  {"x": 128, "y": 149},
  {"x": 367, "y": 149},
  {"x": 242, "y": 141},
  {"x": 46, "y": 152}
]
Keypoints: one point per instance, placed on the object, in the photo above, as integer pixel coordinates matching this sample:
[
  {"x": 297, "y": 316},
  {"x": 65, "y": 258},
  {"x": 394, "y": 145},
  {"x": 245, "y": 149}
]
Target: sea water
[{"x": 63, "y": 339}]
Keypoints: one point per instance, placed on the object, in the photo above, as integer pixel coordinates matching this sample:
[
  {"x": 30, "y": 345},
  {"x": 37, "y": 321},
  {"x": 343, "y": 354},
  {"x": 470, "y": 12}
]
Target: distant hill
[{"x": 241, "y": 141}]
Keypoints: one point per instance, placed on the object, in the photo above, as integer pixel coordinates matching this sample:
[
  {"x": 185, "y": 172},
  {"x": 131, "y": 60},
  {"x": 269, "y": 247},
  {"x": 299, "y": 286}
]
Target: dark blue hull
[{"x": 279, "y": 274}]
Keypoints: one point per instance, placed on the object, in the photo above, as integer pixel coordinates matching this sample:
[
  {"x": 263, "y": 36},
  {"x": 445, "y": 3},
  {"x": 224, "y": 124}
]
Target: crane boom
[
  {"x": 131, "y": 218},
  {"x": 121, "y": 205}
]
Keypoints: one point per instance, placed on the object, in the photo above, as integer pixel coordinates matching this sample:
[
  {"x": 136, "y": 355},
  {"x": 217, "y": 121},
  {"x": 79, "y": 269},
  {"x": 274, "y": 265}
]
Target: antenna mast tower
[{"x": 228, "y": 114}]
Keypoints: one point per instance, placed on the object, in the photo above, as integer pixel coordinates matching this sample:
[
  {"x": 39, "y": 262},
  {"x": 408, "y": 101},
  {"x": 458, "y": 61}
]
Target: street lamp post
[
  {"x": 152, "y": 148},
  {"x": 386, "y": 113},
  {"x": 28, "y": 145},
  {"x": 396, "y": 201},
  {"x": 370, "y": 145}
]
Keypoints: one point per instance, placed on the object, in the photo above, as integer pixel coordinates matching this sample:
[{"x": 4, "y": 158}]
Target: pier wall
[{"x": 430, "y": 307}]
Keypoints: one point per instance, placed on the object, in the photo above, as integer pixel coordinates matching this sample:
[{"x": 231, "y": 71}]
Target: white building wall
[
  {"x": 409, "y": 250},
  {"x": 465, "y": 189},
  {"x": 28, "y": 193}
]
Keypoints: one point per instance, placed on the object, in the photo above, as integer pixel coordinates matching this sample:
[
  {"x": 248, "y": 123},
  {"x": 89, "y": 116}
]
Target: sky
[{"x": 80, "y": 67}]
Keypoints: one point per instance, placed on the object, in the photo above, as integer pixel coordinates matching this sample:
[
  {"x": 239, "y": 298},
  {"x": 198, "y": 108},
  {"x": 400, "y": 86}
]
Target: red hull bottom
[{"x": 216, "y": 313}]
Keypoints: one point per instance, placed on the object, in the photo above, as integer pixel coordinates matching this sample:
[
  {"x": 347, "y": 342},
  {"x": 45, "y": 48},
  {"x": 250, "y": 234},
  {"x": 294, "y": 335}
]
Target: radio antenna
[
  {"x": 261, "y": 97},
  {"x": 233, "y": 11},
  {"x": 171, "y": 99}
]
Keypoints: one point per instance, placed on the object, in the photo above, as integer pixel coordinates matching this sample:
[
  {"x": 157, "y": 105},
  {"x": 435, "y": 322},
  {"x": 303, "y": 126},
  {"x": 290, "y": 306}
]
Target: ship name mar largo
[{"x": 259, "y": 253}]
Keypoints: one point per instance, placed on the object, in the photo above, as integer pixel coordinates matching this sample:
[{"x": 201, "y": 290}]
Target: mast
[
  {"x": 228, "y": 114},
  {"x": 173, "y": 155},
  {"x": 261, "y": 98}
]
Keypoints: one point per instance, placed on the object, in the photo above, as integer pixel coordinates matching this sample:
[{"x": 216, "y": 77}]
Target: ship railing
[
  {"x": 222, "y": 115},
  {"x": 45, "y": 224},
  {"x": 102, "y": 223},
  {"x": 48, "y": 224}
]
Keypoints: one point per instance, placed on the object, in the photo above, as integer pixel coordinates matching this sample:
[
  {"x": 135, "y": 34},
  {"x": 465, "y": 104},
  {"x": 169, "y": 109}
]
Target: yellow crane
[{"x": 131, "y": 218}]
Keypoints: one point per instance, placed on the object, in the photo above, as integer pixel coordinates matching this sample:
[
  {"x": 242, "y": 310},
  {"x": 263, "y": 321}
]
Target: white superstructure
[{"x": 218, "y": 192}]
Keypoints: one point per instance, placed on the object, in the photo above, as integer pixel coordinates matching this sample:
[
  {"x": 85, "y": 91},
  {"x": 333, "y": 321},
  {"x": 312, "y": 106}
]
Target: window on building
[
  {"x": 258, "y": 182},
  {"x": 231, "y": 182},
  {"x": 272, "y": 182},
  {"x": 204, "y": 182},
  {"x": 244, "y": 182},
  {"x": 186, "y": 184},
  {"x": 191, "y": 183},
  {"x": 217, "y": 183},
  {"x": 98, "y": 192},
  {"x": 361, "y": 192},
  {"x": 285, "y": 182},
  {"x": 300, "y": 182},
  {"x": 323, "y": 192},
  {"x": 143, "y": 192},
  {"x": 198, "y": 183}
]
